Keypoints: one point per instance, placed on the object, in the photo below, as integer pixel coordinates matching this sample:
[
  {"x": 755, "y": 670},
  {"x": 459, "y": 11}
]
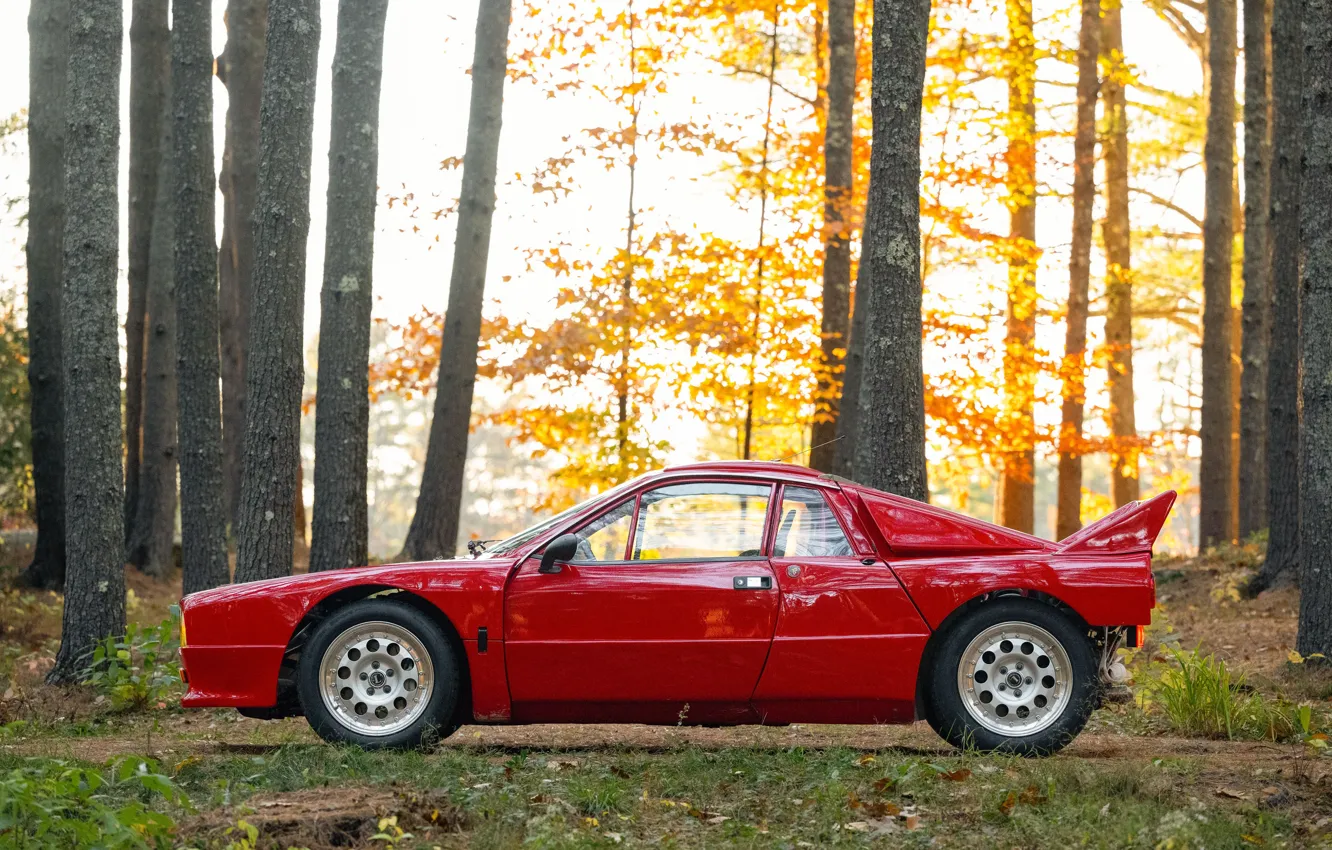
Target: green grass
[
  {"x": 745, "y": 797},
  {"x": 1202, "y": 697}
]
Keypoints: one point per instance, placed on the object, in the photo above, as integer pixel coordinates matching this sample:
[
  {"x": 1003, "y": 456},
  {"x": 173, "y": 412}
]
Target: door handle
[{"x": 753, "y": 582}]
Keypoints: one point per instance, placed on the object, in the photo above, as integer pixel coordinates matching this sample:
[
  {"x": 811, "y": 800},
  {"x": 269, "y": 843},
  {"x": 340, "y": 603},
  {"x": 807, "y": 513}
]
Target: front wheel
[
  {"x": 1013, "y": 675},
  {"x": 379, "y": 674}
]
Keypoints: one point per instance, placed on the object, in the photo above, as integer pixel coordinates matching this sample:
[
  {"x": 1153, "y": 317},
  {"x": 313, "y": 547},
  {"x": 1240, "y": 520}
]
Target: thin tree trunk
[
  {"x": 434, "y": 529},
  {"x": 241, "y": 68},
  {"x": 838, "y": 135},
  {"x": 751, "y": 390},
  {"x": 1283, "y": 372},
  {"x": 203, "y": 518},
  {"x": 1217, "y": 423},
  {"x": 848, "y": 419},
  {"x": 1017, "y": 508},
  {"x": 154, "y": 526},
  {"x": 150, "y": 68},
  {"x": 94, "y": 483},
  {"x": 890, "y": 447},
  {"x": 1117, "y": 234},
  {"x": 1315, "y": 625},
  {"x": 48, "y": 60},
  {"x": 626, "y": 317},
  {"x": 275, "y": 368},
  {"x": 1257, "y": 304},
  {"x": 1068, "y": 517},
  {"x": 342, "y": 404}
]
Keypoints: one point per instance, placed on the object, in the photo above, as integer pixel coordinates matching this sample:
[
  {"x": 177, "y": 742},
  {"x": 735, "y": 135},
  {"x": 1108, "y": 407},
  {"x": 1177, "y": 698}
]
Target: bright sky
[{"x": 428, "y": 48}]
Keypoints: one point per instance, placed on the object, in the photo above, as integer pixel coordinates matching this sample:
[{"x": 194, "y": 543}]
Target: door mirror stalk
[{"x": 559, "y": 551}]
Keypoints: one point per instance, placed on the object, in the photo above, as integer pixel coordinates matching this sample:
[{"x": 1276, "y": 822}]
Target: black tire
[
  {"x": 436, "y": 720},
  {"x": 950, "y": 717}
]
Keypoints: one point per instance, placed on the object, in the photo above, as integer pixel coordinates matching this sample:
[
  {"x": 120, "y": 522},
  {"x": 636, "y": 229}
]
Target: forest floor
[{"x": 1130, "y": 780}]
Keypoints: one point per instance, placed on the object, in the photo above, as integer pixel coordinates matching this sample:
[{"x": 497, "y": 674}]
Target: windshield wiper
[{"x": 476, "y": 547}]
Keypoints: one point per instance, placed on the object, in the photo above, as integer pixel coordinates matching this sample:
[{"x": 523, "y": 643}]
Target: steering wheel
[{"x": 584, "y": 551}]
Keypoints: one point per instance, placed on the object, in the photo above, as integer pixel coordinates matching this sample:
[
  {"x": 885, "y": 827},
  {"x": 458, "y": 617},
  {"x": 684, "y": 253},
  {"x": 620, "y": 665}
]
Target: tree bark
[
  {"x": 150, "y": 68},
  {"x": 848, "y": 418},
  {"x": 203, "y": 518},
  {"x": 275, "y": 368},
  {"x": 1257, "y": 304},
  {"x": 1315, "y": 624},
  {"x": 154, "y": 525},
  {"x": 1117, "y": 234},
  {"x": 1217, "y": 423},
  {"x": 838, "y": 133},
  {"x": 1068, "y": 516},
  {"x": 1283, "y": 373},
  {"x": 48, "y": 60},
  {"x": 241, "y": 69},
  {"x": 890, "y": 449},
  {"x": 94, "y": 482},
  {"x": 434, "y": 529},
  {"x": 342, "y": 405},
  {"x": 1017, "y": 508}
]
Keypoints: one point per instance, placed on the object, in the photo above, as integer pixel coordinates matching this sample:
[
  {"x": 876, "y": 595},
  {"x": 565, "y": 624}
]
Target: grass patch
[{"x": 1202, "y": 697}]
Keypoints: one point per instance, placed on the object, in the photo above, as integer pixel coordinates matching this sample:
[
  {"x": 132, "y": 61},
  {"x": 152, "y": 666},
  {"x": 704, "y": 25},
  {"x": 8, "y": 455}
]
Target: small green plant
[
  {"x": 140, "y": 669},
  {"x": 1202, "y": 697},
  {"x": 56, "y": 805}
]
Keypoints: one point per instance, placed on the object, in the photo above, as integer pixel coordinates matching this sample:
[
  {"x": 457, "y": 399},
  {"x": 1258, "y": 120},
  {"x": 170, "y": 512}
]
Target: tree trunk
[
  {"x": 203, "y": 518},
  {"x": 48, "y": 60},
  {"x": 1315, "y": 627},
  {"x": 241, "y": 68},
  {"x": 837, "y": 145},
  {"x": 1017, "y": 508},
  {"x": 342, "y": 404},
  {"x": 275, "y": 368},
  {"x": 154, "y": 525},
  {"x": 434, "y": 529},
  {"x": 890, "y": 449},
  {"x": 1117, "y": 234},
  {"x": 150, "y": 68},
  {"x": 1218, "y": 239},
  {"x": 848, "y": 417},
  {"x": 1283, "y": 372},
  {"x": 1257, "y": 304},
  {"x": 94, "y": 483},
  {"x": 1068, "y": 517}
]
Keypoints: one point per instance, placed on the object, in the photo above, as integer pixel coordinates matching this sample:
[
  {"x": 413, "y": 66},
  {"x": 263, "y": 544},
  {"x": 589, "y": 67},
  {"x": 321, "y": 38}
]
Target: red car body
[{"x": 826, "y": 640}]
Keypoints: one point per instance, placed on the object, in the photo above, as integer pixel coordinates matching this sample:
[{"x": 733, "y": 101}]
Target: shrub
[
  {"x": 1202, "y": 697},
  {"x": 139, "y": 669},
  {"x": 51, "y": 804}
]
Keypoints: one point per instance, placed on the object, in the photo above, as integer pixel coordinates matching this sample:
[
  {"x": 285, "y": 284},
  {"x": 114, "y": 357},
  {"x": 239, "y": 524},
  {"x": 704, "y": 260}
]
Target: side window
[
  {"x": 807, "y": 528},
  {"x": 607, "y": 537},
  {"x": 718, "y": 520}
]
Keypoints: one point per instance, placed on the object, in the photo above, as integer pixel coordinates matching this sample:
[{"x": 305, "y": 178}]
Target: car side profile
[{"x": 718, "y": 594}]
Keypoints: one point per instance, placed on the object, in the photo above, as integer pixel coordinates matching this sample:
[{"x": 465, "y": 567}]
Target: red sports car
[{"x": 716, "y": 594}]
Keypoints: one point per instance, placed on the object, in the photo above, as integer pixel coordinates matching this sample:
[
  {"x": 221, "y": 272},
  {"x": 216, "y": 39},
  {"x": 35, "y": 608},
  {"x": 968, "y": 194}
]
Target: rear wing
[{"x": 1131, "y": 528}]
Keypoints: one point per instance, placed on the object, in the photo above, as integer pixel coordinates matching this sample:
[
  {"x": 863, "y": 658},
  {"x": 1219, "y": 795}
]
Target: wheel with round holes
[
  {"x": 1013, "y": 675},
  {"x": 379, "y": 674}
]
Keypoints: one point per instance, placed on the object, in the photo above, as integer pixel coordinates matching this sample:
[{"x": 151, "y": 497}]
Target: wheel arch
[{"x": 928, "y": 658}]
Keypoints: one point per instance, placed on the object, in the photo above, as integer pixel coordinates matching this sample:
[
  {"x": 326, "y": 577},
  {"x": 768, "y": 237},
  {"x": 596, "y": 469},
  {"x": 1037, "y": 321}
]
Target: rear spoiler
[{"x": 1132, "y": 528}]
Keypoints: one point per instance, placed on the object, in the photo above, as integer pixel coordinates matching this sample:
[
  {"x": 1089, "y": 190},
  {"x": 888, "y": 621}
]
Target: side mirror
[{"x": 559, "y": 550}]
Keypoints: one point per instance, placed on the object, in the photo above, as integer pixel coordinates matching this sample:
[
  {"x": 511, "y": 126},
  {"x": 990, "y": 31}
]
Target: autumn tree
[
  {"x": 153, "y": 529},
  {"x": 241, "y": 69},
  {"x": 94, "y": 484},
  {"x": 890, "y": 446},
  {"x": 342, "y": 407},
  {"x": 150, "y": 68},
  {"x": 203, "y": 518},
  {"x": 1283, "y": 375},
  {"x": 1218, "y": 240},
  {"x": 839, "y": 127},
  {"x": 275, "y": 364},
  {"x": 1069, "y": 506},
  {"x": 48, "y": 56}
]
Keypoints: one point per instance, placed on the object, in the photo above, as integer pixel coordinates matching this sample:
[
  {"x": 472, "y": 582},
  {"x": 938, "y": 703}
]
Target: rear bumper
[{"x": 231, "y": 676}]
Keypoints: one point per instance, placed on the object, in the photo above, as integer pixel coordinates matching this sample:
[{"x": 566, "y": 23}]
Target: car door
[
  {"x": 849, "y": 639},
  {"x": 666, "y": 612}
]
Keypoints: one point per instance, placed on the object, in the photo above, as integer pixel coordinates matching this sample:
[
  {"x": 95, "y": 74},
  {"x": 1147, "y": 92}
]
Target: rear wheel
[
  {"x": 379, "y": 674},
  {"x": 1013, "y": 675}
]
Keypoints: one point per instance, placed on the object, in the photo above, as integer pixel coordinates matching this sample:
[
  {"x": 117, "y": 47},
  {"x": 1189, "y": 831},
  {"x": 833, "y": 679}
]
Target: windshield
[{"x": 506, "y": 547}]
